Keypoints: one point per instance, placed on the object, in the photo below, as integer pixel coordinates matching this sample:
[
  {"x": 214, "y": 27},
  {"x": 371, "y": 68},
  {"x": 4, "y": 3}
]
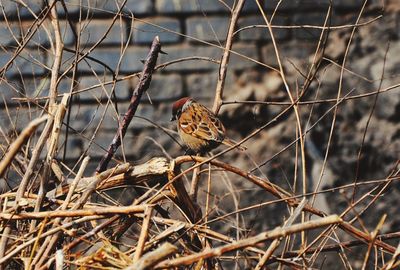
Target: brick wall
[{"x": 191, "y": 24}]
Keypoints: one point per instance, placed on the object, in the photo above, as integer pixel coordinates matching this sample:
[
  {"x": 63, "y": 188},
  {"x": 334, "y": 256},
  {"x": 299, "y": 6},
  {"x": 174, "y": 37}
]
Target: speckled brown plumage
[{"x": 198, "y": 127}]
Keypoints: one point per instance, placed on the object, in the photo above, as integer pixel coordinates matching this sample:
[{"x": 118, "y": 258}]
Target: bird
[{"x": 198, "y": 127}]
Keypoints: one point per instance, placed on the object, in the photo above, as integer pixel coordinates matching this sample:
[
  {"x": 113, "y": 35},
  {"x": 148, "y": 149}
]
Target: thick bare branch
[{"x": 142, "y": 86}]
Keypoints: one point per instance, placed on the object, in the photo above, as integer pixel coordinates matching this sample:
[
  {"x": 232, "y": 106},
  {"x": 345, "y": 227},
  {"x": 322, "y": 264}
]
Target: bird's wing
[{"x": 201, "y": 123}]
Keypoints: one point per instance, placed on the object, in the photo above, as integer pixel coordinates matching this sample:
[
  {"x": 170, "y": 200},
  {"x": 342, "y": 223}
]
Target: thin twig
[
  {"x": 368, "y": 121},
  {"x": 274, "y": 245},
  {"x": 225, "y": 57},
  {"x": 308, "y": 26},
  {"x": 295, "y": 107},
  {"x": 18, "y": 143},
  {"x": 52, "y": 146},
  {"x": 334, "y": 247},
  {"x": 24, "y": 182},
  {"x": 281, "y": 193},
  {"x": 390, "y": 264},
  {"x": 144, "y": 233},
  {"x": 24, "y": 245},
  {"x": 57, "y": 54},
  {"x": 52, "y": 240},
  {"x": 374, "y": 234}
]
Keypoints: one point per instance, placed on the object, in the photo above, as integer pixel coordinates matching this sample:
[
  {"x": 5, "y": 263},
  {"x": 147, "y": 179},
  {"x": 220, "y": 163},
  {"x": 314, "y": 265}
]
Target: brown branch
[
  {"x": 144, "y": 233},
  {"x": 142, "y": 86},
  {"x": 99, "y": 227},
  {"x": 391, "y": 264},
  {"x": 49, "y": 242},
  {"x": 251, "y": 241},
  {"x": 158, "y": 238},
  {"x": 57, "y": 53},
  {"x": 284, "y": 195},
  {"x": 176, "y": 226},
  {"x": 263, "y": 183},
  {"x": 79, "y": 203},
  {"x": 17, "y": 144},
  {"x": 371, "y": 245},
  {"x": 111, "y": 210},
  {"x": 191, "y": 209},
  {"x": 333, "y": 247},
  {"x": 190, "y": 212},
  {"x": 52, "y": 148},
  {"x": 125, "y": 174},
  {"x": 13, "y": 252},
  {"x": 25, "y": 180},
  {"x": 153, "y": 257},
  {"x": 194, "y": 185}
]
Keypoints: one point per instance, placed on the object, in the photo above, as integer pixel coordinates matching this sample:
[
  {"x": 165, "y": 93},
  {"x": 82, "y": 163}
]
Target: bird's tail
[{"x": 229, "y": 142}]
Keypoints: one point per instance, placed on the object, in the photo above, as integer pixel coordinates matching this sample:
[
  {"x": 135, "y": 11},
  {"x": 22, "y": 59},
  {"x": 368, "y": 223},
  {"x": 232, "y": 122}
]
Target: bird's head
[{"x": 179, "y": 106}]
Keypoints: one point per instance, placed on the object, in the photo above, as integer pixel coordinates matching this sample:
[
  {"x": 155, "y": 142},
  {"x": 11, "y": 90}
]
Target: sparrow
[{"x": 199, "y": 128}]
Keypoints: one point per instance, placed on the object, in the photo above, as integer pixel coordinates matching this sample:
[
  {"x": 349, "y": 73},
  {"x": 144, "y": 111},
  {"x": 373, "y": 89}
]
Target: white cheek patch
[{"x": 184, "y": 125}]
